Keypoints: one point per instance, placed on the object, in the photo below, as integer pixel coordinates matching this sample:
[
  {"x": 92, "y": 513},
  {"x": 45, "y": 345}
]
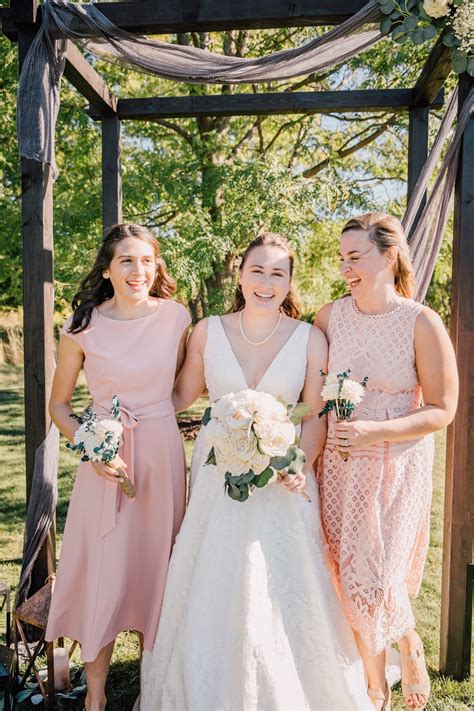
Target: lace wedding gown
[{"x": 250, "y": 618}]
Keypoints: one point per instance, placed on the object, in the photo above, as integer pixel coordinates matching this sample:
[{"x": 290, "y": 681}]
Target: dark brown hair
[
  {"x": 95, "y": 289},
  {"x": 386, "y": 231},
  {"x": 291, "y": 305}
]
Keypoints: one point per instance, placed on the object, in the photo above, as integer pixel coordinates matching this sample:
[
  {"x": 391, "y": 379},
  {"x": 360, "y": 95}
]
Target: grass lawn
[{"x": 123, "y": 680}]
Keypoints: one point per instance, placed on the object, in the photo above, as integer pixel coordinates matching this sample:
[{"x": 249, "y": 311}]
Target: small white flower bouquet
[
  {"x": 342, "y": 395},
  {"x": 98, "y": 440},
  {"x": 252, "y": 437}
]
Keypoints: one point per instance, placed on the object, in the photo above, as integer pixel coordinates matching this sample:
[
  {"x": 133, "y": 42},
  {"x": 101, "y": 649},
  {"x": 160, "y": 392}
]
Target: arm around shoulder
[{"x": 190, "y": 382}]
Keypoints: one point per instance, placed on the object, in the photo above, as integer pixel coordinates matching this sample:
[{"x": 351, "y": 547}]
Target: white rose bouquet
[
  {"x": 252, "y": 437},
  {"x": 98, "y": 440},
  {"x": 342, "y": 395}
]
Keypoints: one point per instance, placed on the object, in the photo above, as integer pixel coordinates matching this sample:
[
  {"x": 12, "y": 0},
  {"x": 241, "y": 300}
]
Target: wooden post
[
  {"x": 418, "y": 123},
  {"x": 456, "y": 604},
  {"x": 38, "y": 301},
  {"x": 111, "y": 172}
]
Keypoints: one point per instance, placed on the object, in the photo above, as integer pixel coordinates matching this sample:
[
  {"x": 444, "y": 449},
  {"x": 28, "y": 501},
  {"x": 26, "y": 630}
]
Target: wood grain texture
[{"x": 455, "y": 648}]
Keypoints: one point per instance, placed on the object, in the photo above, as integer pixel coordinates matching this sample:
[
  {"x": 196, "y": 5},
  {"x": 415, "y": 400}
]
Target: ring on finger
[{"x": 346, "y": 442}]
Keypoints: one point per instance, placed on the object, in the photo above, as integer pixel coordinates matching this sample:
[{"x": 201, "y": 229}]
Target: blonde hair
[
  {"x": 386, "y": 231},
  {"x": 291, "y": 304}
]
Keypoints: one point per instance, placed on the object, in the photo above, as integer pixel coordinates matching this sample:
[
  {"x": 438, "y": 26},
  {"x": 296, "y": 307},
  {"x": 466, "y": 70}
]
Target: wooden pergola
[{"x": 20, "y": 22}]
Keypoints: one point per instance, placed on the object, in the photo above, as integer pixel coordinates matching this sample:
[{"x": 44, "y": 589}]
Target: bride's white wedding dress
[{"x": 250, "y": 618}]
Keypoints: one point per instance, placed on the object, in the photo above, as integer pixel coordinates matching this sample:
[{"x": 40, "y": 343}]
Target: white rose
[
  {"x": 223, "y": 408},
  {"x": 275, "y": 438},
  {"x": 436, "y": 8},
  {"x": 352, "y": 391},
  {"x": 237, "y": 453},
  {"x": 330, "y": 391}
]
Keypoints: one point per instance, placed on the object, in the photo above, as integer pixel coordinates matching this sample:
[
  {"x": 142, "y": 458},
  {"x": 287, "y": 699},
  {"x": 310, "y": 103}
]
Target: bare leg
[
  {"x": 96, "y": 675},
  {"x": 413, "y": 669},
  {"x": 375, "y": 669}
]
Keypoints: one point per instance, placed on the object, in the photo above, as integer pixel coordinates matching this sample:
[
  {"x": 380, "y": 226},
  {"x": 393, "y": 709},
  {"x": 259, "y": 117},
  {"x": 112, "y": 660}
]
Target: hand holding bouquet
[
  {"x": 252, "y": 437},
  {"x": 341, "y": 394},
  {"x": 98, "y": 440}
]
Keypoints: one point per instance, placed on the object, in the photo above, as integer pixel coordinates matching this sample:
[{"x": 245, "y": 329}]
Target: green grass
[{"x": 123, "y": 682}]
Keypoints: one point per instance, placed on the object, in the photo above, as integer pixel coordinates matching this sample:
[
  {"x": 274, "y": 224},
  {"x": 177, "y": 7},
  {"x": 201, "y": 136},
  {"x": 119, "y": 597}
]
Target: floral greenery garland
[{"x": 421, "y": 20}]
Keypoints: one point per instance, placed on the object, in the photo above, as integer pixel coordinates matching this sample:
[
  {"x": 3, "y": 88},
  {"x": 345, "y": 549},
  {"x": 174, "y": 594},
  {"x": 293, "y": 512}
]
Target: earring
[{"x": 239, "y": 287}]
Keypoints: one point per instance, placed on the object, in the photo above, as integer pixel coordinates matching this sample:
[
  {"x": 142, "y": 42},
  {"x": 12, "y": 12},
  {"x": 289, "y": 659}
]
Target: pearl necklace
[{"x": 257, "y": 343}]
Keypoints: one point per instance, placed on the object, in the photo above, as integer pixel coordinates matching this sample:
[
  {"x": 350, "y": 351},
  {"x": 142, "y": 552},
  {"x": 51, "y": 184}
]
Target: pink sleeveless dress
[
  {"x": 376, "y": 506},
  {"x": 115, "y": 552}
]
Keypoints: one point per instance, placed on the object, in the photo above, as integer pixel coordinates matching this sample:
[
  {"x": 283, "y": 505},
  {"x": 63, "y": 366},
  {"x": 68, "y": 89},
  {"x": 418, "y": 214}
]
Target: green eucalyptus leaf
[
  {"x": 423, "y": 14},
  {"x": 418, "y": 36},
  {"x": 211, "y": 457},
  {"x": 298, "y": 412},
  {"x": 410, "y": 23},
  {"x": 298, "y": 462},
  {"x": 387, "y": 7},
  {"x": 460, "y": 64},
  {"x": 206, "y": 418},
  {"x": 262, "y": 479},
  {"x": 398, "y": 33},
  {"x": 280, "y": 463},
  {"x": 429, "y": 32},
  {"x": 448, "y": 39},
  {"x": 386, "y": 25}
]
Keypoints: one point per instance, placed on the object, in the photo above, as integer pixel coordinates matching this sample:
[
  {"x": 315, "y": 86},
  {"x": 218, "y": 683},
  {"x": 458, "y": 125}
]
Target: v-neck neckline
[{"x": 267, "y": 369}]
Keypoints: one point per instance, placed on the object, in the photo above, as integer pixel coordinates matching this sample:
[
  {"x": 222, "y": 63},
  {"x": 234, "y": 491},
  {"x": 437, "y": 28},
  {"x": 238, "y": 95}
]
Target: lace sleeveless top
[{"x": 380, "y": 347}]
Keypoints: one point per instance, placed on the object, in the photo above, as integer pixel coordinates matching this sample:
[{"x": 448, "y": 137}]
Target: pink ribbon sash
[{"x": 130, "y": 420}]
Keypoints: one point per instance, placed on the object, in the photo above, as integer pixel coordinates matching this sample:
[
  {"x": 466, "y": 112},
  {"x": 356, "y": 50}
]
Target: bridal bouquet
[
  {"x": 252, "y": 437},
  {"x": 98, "y": 440},
  {"x": 341, "y": 394}
]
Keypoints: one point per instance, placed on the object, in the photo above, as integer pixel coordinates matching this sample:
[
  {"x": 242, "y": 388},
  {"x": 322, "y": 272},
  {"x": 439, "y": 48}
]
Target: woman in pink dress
[
  {"x": 130, "y": 336},
  {"x": 376, "y": 505}
]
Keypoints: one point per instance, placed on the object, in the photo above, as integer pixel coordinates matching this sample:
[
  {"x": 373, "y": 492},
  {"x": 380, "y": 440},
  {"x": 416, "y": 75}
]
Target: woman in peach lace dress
[{"x": 376, "y": 505}]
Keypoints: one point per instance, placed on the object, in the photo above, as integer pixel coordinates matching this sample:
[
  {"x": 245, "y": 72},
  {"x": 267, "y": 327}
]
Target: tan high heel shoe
[
  {"x": 421, "y": 687},
  {"x": 379, "y": 695}
]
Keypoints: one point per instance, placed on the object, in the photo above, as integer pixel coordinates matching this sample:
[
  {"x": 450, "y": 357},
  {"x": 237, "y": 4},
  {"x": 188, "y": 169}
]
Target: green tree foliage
[{"x": 207, "y": 185}]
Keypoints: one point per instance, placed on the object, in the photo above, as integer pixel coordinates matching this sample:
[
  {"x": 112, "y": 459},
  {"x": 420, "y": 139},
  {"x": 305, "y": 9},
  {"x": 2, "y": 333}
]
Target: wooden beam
[
  {"x": 24, "y": 11},
  {"x": 111, "y": 172},
  {"x": 38, "y": 308},
  {"x": 309, "y": 102},
  {"x": 433, "y": 75},
  {"x": 418, "y": 125},
  {"x": 88, "y": 82},
  {"x": 177, "y": 16},
  {"x": 169, "y": 16},
  {"x": 455, "y": 648}
]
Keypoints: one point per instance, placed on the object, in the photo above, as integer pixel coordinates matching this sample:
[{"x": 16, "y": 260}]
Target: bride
[{"x": 250, "y": 618}]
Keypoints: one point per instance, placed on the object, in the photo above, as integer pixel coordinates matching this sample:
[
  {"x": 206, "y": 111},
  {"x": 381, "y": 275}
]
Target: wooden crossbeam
[
  {"x": 170, "y": 16},
  {"x": 88, "y": 82},
  {"x": 433, "y": 75},
  {"x": 309, "y": 102},
  {"x": 163, "y": 16}
]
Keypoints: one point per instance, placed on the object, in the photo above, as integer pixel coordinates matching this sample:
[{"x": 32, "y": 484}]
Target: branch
[
  {"x": 177, "y": 129},
  {"x": 282, "y": 128},
  {"x": 344, "y": 152}
]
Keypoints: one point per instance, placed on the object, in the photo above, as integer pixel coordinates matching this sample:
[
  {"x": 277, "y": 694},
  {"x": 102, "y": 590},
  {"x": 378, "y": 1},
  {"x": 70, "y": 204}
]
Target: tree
[{"x": 208, "y": 185}]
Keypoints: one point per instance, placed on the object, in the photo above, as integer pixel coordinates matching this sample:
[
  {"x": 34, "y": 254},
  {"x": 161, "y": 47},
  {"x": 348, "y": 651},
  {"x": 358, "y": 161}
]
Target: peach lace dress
[{"x": 376, "y": 506}]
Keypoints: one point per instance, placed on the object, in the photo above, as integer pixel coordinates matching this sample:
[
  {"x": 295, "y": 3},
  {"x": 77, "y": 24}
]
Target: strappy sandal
[
  {"x": 379, "y": 695},
  {"x": 423, "y": 688}
]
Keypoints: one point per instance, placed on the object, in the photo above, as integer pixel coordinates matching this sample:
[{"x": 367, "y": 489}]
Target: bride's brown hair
[
  {"x": 291, "y": 305},
  {"x": 95, "y": 289}
]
